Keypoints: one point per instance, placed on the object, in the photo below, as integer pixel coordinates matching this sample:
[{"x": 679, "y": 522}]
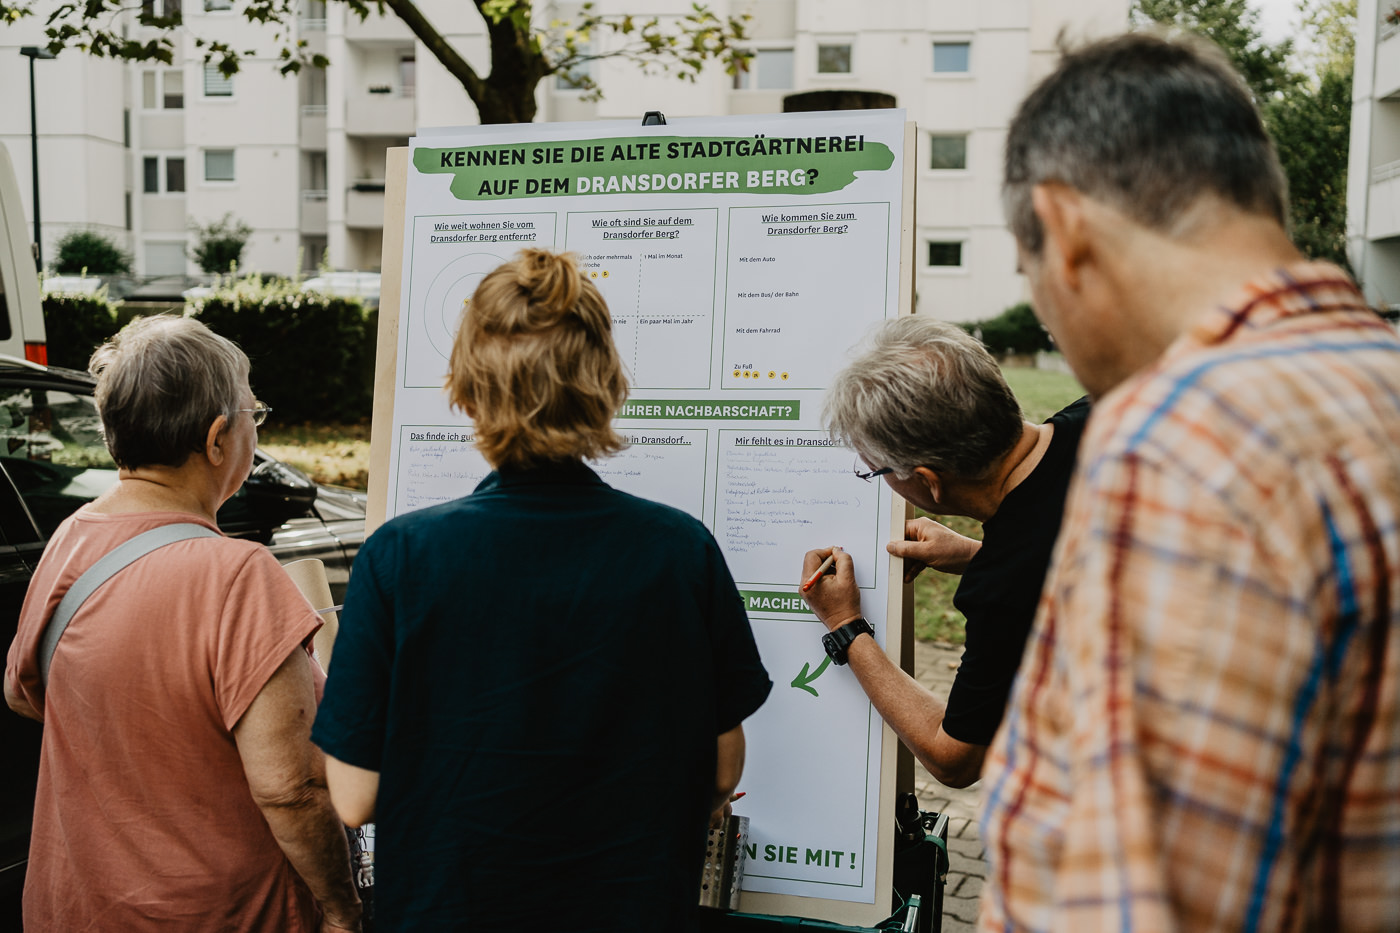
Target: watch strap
[{"x": 838, "y": 641}]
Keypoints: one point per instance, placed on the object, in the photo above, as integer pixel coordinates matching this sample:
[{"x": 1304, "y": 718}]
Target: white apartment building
[
  {"x": 145, "y": 150},
  {"x": 1373, "y": 167}
]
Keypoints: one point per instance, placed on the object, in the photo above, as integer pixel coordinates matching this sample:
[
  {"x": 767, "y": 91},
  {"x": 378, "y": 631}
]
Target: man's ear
[
  {"x": 1061, "y": 211},
  {"x": 932, "y": 481},
  {"x": 215, "y": 440}
]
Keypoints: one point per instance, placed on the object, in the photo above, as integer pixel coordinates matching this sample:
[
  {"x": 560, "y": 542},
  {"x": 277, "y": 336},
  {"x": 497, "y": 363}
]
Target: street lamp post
[{"x": 32, "y": 52}]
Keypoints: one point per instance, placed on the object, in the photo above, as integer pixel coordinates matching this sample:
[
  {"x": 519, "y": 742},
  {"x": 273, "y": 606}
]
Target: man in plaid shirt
[{"x": 1205, "y": 731}]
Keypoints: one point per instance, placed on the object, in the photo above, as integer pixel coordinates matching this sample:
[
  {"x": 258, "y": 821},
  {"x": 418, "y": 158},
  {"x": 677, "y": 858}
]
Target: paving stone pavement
[{"x": 934, "y": 667}]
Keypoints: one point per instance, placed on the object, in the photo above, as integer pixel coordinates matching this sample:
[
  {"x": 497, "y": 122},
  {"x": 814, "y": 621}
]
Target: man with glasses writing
[{"x": 926, "y": 408}]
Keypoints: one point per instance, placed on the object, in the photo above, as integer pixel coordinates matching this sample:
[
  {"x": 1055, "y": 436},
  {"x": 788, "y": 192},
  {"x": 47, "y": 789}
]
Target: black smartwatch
[{"x": 838, "y": 642}]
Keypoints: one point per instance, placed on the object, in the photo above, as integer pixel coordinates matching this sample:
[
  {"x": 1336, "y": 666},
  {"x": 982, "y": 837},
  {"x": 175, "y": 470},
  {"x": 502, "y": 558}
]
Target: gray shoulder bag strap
[{"x": 112, "y": 563}]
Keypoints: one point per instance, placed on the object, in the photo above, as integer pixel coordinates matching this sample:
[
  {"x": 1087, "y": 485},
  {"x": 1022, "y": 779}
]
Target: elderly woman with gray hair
[{"x": 178, "y": 788}]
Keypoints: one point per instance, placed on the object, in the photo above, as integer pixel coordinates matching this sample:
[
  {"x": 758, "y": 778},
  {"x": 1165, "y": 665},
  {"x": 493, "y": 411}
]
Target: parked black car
[{"x": 52, "y": 460}]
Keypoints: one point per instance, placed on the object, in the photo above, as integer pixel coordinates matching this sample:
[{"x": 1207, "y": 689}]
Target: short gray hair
[
  {"x": 161, "y": 382},
  {"x": 1146, "y": 124},
  {"x": 924, "y": 393}
]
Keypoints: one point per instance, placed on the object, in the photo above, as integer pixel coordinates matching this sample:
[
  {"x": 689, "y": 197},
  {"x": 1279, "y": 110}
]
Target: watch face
[{"x": 834, "y": 648}]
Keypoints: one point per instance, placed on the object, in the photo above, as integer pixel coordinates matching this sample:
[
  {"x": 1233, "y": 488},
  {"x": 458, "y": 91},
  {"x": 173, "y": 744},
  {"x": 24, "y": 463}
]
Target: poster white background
[{"x": 744, "y": 301}]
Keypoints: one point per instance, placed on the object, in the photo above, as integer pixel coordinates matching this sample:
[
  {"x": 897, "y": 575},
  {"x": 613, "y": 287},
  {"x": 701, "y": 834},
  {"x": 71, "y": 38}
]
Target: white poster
[{"x": 741, "y": 259}]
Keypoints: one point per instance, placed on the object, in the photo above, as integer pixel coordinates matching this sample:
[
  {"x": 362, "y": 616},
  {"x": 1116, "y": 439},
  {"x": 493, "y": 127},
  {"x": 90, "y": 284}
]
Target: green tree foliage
[
  {"x": 1313, "y": 130},
  {"x": 1234, "y": 26},
  {"x": 1311, "y": 124},
  {"x": 87, "y": 251},
  {"x": 312, "y": 355},
  {"x": 524, "y": 48},
  {"x": 1304, "y": 91},
  {"x": 219, "y": 245},
  {"x": 1015, "y": 330}
]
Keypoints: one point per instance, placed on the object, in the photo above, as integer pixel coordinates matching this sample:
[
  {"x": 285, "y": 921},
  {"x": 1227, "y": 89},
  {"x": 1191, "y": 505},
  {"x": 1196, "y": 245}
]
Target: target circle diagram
[{"x": 449, "y": 289}]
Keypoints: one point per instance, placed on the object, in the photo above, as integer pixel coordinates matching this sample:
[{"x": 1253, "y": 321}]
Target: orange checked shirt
[{"x": 1205, "y": 730}]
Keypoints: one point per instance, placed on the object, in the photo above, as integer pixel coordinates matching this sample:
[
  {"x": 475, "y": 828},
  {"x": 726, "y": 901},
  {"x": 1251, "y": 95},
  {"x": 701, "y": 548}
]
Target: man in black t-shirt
[{"x": 926, "y": 407}]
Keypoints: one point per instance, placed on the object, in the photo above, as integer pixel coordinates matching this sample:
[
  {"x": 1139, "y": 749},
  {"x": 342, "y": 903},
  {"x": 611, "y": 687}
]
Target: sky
[{"x": 1277, "y": 18}]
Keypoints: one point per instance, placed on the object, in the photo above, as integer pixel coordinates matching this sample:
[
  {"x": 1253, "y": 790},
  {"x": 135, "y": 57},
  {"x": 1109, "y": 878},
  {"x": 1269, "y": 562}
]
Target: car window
[{"x": 51, "y": 446}]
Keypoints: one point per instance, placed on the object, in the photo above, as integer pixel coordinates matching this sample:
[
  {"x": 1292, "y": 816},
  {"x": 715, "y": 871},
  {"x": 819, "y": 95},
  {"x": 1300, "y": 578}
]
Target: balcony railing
[
  {"x": 1385, "y": 171},
  {"x": 314, "y": 194},
  {"x": 364, "y": 206},
  {"x": 375, "y": 114},
  {"x": 313, "y": 25},
  {"x": 1390, "y": 18},
  {"x": 313, "y": 110}
]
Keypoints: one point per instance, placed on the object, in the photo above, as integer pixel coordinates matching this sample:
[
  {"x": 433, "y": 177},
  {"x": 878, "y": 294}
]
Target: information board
[{"x": 741, "y": 258}]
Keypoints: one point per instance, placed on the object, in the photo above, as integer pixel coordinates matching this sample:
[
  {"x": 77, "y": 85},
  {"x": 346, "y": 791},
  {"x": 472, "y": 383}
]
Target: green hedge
[
  {"x": 312, "y": 355},
  {"x": 75, "y": 325},
  {"x": 1015, "y": 330}
]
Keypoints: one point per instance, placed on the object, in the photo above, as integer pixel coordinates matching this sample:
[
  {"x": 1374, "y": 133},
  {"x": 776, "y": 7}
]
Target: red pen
[{"x": 826, "y": 564}]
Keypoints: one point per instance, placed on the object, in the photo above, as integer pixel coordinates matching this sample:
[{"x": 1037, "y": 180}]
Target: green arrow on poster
[{"x": 803, "y": 680}]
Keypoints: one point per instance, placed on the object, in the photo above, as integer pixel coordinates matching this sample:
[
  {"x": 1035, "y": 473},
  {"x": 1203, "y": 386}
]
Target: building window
[
  {"x": 834, "y": 59},
  {"x": 163, "y": 90},
  {"x": 217, "y": 6},
  {"x": 151, "y": 9},
  {"x": 313, "y": 252},
  {"x": 173, "y": 90},
  {"x": 216, "y": 83},
  {"x": 126, "y": 127},
  {"x": 947, "y": 151},
  {"x": 408, "y": 76},
  {"x": 313, "y": 88},
  {"x": 579, "y": 76},
  {"x": 769, "y": 70},
  {"x": 313, "y": 15},
  {"x": 952, "y": 57},
  {"x": 945, "y": 253},
  {"x": 174, "y": 175},
  {"x": 315, "y": 187},
  {"x": 218, "y": 165}
]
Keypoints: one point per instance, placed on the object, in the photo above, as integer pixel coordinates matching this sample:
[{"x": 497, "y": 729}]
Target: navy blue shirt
[
  {"x": 538, "y": 672},
  {"x": 1000, "y": 589}
]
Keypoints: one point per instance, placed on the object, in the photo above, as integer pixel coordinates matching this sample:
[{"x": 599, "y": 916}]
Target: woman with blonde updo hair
[
  {"x": 539, "y": 687},
  {"x": 535, "y": 367}
]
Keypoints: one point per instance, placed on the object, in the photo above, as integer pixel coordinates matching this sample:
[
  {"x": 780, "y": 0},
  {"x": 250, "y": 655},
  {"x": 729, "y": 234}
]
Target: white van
[{"x": 21, "y": 313}]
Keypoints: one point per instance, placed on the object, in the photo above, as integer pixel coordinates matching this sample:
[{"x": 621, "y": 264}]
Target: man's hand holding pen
[{"x": 832, "y": 593}]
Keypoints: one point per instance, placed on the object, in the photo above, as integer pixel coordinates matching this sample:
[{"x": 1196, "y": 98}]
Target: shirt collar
[
  {"x": 559, "y": 472},
  {"x": 1289, "y": 291}
]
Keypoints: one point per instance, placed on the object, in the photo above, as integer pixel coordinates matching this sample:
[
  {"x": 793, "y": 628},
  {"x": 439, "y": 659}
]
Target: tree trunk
[
  {"x": 506, "y": 101},
  {"x": 508, "y": 94}
]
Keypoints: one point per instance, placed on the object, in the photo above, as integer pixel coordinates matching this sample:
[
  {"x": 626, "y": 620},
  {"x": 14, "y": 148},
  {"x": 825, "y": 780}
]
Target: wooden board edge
[
  {"x": 386, "y": 355},
  {"x": 902, "y": 510}
]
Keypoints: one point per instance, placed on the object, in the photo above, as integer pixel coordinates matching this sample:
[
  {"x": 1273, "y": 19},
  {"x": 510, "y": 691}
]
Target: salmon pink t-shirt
[{"x": 143, "y": 818}]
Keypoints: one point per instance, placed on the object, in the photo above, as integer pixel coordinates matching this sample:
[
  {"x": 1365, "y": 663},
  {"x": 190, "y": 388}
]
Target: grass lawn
[
  {"x": 1041, "y": 394},
  {"x": 339, "y": 454}
]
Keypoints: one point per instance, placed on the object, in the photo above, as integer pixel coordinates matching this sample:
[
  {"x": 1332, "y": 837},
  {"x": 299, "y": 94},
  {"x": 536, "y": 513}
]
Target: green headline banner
[
  {"x": 766, "y": 410},
  {"x": 655, "y": 165},
  {"x": 765, "y": 601}
]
